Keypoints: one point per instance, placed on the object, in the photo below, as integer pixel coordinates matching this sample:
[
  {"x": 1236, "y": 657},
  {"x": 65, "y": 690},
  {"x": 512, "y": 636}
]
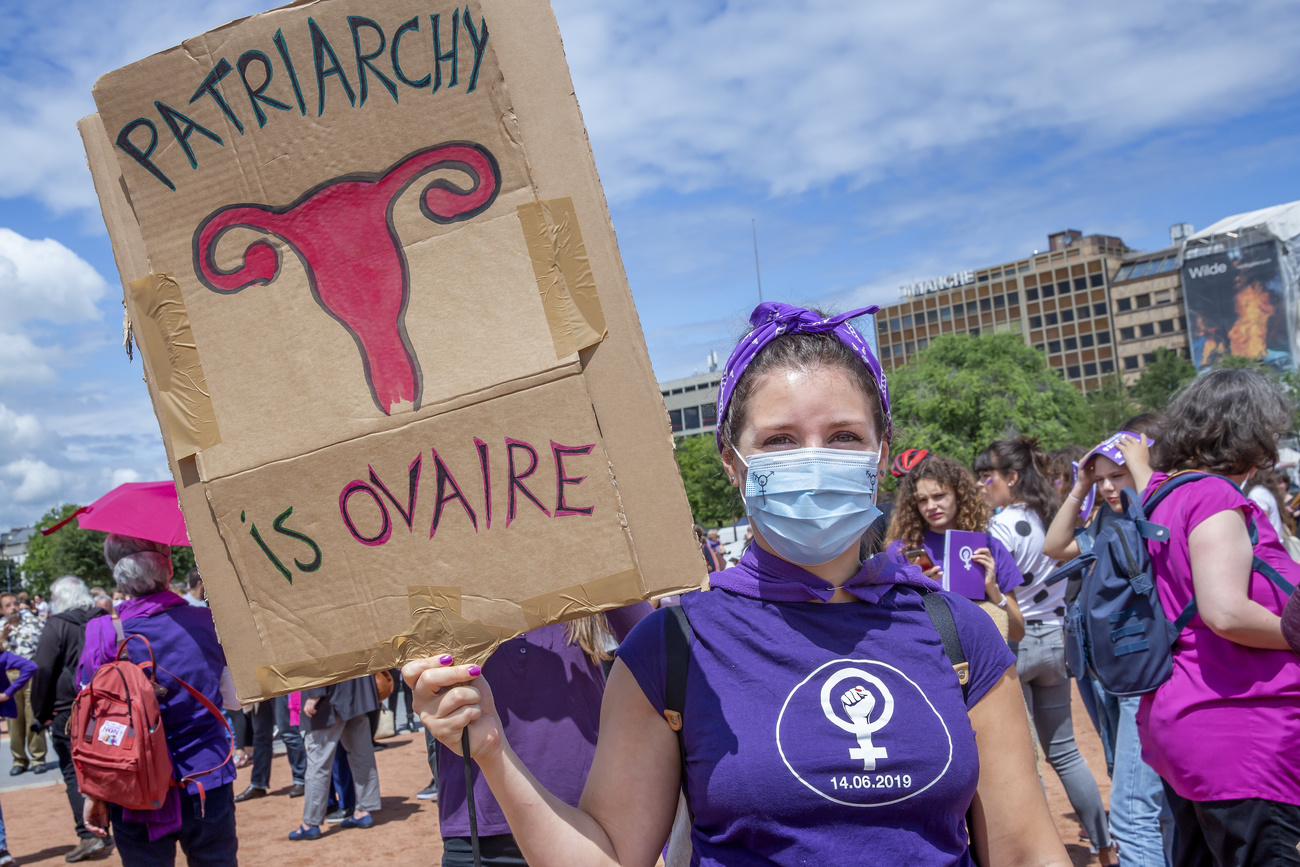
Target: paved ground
[{"x": 40, "y": 829}]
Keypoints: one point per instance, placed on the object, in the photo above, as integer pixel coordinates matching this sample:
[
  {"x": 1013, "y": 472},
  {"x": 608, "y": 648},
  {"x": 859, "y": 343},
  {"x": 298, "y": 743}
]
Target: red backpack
[{"x": 119, "y": 748}]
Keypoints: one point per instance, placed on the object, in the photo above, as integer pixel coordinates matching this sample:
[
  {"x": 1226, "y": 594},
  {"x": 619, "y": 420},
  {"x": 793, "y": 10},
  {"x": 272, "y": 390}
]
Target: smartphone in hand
[{"x": 918, "y": 557}]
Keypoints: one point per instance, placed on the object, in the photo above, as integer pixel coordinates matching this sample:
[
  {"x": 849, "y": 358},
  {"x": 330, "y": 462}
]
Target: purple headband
[
  {"x": 1108, "y": 449},
  {"x": 771, "y": 319}
]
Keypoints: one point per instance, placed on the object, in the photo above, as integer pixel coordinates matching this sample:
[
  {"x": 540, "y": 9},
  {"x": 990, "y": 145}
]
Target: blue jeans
[
  {"x": 4, "y": 844},
  {"x": 1103, "y": 710},
  {"x": 1139, "y": 816},
  {"x": 207, "y": 841},
  {"x": 1040, "y": 664}
]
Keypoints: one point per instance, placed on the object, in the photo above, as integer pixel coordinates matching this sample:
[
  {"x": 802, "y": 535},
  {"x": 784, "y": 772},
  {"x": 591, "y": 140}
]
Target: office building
[
  {"x": 693, "y": 402},
  {"x": 1057, "y": 300}
]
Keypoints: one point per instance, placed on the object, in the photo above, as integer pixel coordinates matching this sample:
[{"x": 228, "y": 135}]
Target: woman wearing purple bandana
[{"x": 822, "y": 722}]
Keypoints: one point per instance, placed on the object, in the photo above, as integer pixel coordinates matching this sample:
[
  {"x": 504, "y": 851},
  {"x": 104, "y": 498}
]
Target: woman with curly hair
[{"x": 938, "y": 495}]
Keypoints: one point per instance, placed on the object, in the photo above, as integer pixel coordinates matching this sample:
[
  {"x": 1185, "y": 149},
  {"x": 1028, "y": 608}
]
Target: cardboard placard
[{"x": 387, "y": 334}]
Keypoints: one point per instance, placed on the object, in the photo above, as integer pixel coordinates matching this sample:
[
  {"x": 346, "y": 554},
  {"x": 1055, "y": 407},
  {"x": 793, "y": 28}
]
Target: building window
[
  {"x": 1143, "y": 300},
  {"x": 1072, "y": 371},
  {"x": 923, "y": 343},
  {"x": 1067, "y": 315},
  {"x": 1063, "y": 288},
  {"x": 1095, "y": 280},
  {"x": 689, "y": 388},
  {"x": 1090, "y": 369},
  {"x": 1167, "y": 326},
  {"x": 1099, "y": 309},
  {"x": 1050, "y": 318},
  {"x": 1108, "y": 366},
  {"x": 1148, "y": 358},
  {"x": 709, "y": 414},
  {"x": 1035, "y": 322},
  {"x": 986, "y": 305},
  {"x": 677, "y": 391},
  {"x": 1123, "y": 305},
  {"x": 1130, "y": 362},
  {"x": 1080, "y": 283},
  {"x": 932, "y": 315},
  {"x": 1103, "y": 337},
  {"x": 675, "y": 420},
  {"x": 1071, "y": 343},
  {"x": 910, "y": 347},
  {"x": 882, "y": 326},
  {"x": 1147, "y": 329},
  {"x": 1123, "y": 273},
  {"x": 893, "y": 324},
  {"x": 1085, "y": 340},
  {"x": 691, "y": 417},
  {"x": 1163, "y": 297},
  {"x": 945, "y": 314},
  {"x": 884, "y": 352},
  {"x": 1082, "y": 312},
  {"x": 1013, "y": 298},
  {"x": 907, "y": 321},
  {"x": 974, "y": 332},
  {"x": 999, "y": 301},
  {"x": 1048, "y": 291},
  {"x": 1031, "y": 294},
  {"x": 1127, "y": 333},
  {"x": 1053, "y": 346}
]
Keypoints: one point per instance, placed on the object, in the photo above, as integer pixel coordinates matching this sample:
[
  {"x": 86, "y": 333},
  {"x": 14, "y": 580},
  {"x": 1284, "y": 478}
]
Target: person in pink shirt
[{"x": 1221, "y": 732}]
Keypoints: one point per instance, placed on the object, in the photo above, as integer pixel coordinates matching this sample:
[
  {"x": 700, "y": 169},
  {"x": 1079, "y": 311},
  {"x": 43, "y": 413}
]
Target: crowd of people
[{"x": 827, "y": 696}]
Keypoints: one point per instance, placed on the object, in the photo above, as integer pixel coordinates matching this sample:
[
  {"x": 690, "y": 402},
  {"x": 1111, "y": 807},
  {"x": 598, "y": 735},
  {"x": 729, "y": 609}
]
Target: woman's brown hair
[
  {"x": 1033, "y": 484},
  {"x": 1224, "y": 421},
  {"x": 909, "y": 526},
  {"x": 590, "y": 633}
]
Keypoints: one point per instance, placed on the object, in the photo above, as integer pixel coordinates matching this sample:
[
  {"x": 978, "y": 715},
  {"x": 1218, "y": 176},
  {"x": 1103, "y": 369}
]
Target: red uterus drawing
[{"x": 342, "y": 232}]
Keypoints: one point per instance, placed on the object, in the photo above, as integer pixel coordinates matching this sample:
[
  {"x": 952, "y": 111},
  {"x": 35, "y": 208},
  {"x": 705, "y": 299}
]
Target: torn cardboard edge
[
  {"x": 564, "y": 278},
  {"x": 437, "y": 611},
  {"x": 163, "y": 327}
]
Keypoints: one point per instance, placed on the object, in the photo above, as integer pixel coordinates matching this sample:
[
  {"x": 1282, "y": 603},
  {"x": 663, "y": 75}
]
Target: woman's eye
[{"x": 846, "y": 437}]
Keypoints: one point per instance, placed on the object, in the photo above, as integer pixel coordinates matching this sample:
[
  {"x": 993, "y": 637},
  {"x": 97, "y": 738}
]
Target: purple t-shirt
[
  {"x": 184, "y": 642},
  {"x": 548, "y": 694},
  {"x": 825, "y": 733},
  {"x": 1224, "y": 699},
  {"x": 1009, "y": 577}
]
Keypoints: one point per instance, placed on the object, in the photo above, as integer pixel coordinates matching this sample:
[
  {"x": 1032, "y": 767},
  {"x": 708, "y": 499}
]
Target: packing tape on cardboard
[
  {"x": 563, "y": 272},
  {"x": 623, "y": 588},
  {"x": 162, "y": 329},
  {"x": 436, "y": 611}
]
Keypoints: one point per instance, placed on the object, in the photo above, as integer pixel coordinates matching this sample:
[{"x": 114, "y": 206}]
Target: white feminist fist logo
[
  {"x": 858, "y": 703},
  {"x": 966, "y": 554}
]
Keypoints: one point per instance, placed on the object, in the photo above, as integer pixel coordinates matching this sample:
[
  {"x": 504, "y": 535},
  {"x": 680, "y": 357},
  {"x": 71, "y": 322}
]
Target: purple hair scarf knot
[{"x": 772, "y": 319}]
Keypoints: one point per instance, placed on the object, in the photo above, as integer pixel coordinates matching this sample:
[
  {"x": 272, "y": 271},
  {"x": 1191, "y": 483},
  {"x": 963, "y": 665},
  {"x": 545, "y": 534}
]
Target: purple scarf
[
  {"x": 765, "y": 576},
  {"x": 771, "y": 319}
]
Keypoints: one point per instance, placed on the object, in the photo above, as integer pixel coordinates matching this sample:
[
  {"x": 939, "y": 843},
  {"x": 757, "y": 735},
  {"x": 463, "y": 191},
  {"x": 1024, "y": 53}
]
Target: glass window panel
[
  {"x": 1103, "y": 337},
  {"x": 709, "y": 412},
  {"x": 691, "y": 417},
  {"x": 1085, "y": 340},
  {"x": 1072, "y": 371},
  {"x": 1035, "y": 322},
  {"x": 1071, "y": 343},
  {"x": 1167, "y": 326},
  {"x": 1031, "y": 294},
  {"x": 907, "y": 321},
  {"x": 1099, "y": 309},
  {"x": 1048, "y": 290},
  {"x": 894, "y": 323},
  {"x": 1080, "y": 283},
  {"x": 1107, "y": 366},
  {"x": 675, "y": 419},
  {"x": 1051, "y": 318},
  {"x": 1124, "y": 272},
  {"x": 1127, "y": 333},
  {"x": 1147, "y": 329},
  {"x": 1124, "y": 304},
  {"x": 1053, "y": 346},
  {"x": 945, "y": 313},
  {"x": 1090, "y": 369},
  {"x": 1013, "y": 298},
  {"x": 1067, "y": 315},
  {"x": 1130, "y": 362},
  {"x": 999, "y": 301},
  {"x": 1095, "y": 280}
]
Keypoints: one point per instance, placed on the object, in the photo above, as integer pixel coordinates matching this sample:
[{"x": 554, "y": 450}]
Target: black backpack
[{"x": 1115, "y": 626}]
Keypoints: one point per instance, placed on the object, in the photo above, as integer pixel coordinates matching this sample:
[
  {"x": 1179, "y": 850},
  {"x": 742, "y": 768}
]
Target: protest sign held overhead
[{"x": 386, "y": 331}]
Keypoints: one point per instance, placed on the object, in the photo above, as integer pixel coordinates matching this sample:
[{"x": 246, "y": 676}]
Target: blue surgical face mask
[{"x": 812, "y": 505}]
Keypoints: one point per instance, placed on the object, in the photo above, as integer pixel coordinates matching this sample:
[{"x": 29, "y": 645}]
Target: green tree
[
  {"x": 1108, "y": 408},
  {"x": 964, "y": 391},
  {"x": 1162, "y": 379},
  {"x": 68, "y": 551},
  {"x": 713, "y": 500}
]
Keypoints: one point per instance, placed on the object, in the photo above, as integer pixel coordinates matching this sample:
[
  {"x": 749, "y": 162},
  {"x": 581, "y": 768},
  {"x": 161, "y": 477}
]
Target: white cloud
[
  {"x": 42, "y": 279},
  {"x": 37, "y": 480},
  {"x": 22, "y": 362},
  {"x": 688, "y": 95},
  {"x": 19, "y": 431},
  {"x": 122, "y": 476}
]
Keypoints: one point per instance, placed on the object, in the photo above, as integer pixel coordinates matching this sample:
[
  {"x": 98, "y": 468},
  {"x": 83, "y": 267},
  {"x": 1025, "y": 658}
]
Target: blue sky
[{"x": 874, "y": 144}]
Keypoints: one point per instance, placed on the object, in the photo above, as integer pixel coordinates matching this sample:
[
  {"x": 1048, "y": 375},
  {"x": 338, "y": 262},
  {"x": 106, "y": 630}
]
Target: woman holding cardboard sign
[
  {"x": 816, "y": 684},
  {"x": 937, "y": 496}
]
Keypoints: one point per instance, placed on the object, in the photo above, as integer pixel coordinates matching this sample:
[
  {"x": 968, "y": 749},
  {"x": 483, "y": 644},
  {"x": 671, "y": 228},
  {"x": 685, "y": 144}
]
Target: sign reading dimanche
[{"x": 950, "y": 281}]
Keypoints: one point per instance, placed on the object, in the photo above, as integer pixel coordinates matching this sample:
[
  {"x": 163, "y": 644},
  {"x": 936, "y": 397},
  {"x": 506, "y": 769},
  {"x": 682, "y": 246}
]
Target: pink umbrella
[{"x": 146, "y": 510}]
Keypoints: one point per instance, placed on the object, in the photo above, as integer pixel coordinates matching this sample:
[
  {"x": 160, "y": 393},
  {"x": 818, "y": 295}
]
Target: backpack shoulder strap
[
  {"x": 678, "y": 637},
  {"x": 941, "y": 617}
]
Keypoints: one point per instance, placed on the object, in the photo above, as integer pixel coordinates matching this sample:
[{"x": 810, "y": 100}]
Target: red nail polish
[
  {"x": 445, "y": 659},
  {"x": 475, "y": 671}
]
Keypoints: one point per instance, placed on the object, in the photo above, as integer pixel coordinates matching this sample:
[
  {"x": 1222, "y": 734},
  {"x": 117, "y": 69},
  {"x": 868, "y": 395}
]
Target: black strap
[
  {"x": 678, "y": 637},
  {"x": 941, "y": 616}
]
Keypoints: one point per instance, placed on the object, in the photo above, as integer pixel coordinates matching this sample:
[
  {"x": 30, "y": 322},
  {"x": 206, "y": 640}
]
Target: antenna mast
[{"x": 757, "y": 273}]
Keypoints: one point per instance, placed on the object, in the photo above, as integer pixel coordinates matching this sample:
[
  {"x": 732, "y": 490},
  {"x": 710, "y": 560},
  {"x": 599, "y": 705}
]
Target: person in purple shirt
[
  {"x": 550, "y": 682},
  {"x": 823, "y": 722},
  {"x": 200, "y": 815},
  {"x": 936, "y": 495},
  {"x": 13, "y": 662}
]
